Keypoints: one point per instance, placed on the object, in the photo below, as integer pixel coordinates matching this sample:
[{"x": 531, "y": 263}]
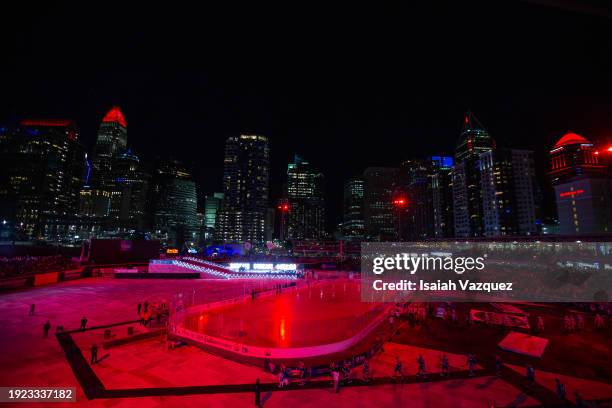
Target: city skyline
[{"x": 378, "y": 99}]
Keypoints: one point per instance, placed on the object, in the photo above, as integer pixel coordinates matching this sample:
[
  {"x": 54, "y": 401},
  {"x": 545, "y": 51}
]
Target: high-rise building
[
  {"x": 114, "y": 198},
  {"x": 175, "y": 219},
  {"x": 211, "y": 206},
  {"x": 508, "y": 191},
  {"x": 306, "y": 201},
  {"x": 583, "y": 191},
  {"x": 246, "y": 171},
  {"x": 442, "y": 196},
  {"x": 129, "y": 194},
  {"x": 378, "y": 187},
  {"x": 414, "y": 179},
  {"x": 42, "y": 171},
  {"x": 110, "y": 143},
  {"x": 467, "y": 192},
  {"x": 353, "y": 225}
]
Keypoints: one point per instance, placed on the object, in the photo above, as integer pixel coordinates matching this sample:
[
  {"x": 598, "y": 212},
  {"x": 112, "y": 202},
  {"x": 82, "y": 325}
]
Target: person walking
[
  {"x": 139, "y": 308},
  {"x": 498, "y": 366},
  {"x": 94, "y": 354},
  {"x": 540, "y": 324},
  {"x": 83, "y": 323},
  {"x": 421, "y": 364},
  {"x": 471, "y": 362},
  {"x": 444, "y": 365},
  {"x": 257, "y": 394},
  {"x": 366, "y": 371},
  {"x": 32, "y": 308},
  {"x": 336, "y": 378},
  {"x": 46, "y": 328},
  {"x": 398, "y": 369},
  {"x": 146, "y": 306},
  {"x": 560, "y": 389},
  {"x": 530, "y": 375}
]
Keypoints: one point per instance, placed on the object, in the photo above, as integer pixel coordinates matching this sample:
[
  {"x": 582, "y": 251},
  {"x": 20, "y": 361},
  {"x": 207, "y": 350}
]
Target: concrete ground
[{"x": 28, "y": 359}]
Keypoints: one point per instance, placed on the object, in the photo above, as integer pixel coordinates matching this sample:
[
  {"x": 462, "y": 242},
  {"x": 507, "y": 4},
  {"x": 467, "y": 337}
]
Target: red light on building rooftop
[
  {"x": 115, "y": 115},
  {"x": 571, "y": 139},
  {"x": 283, "y": 207},
  {"x": 46, "y": 122}
]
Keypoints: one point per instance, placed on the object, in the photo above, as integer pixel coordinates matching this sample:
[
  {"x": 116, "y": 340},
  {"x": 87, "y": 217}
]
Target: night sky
[{"x": 346, "y": 89}]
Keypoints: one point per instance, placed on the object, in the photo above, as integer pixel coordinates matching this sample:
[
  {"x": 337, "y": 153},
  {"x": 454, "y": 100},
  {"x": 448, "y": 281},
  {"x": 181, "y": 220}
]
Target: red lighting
[
  {"x": 571, "y": 193},
  {"x": 610, "y": 149},
  {"x": 115, "y": 115},
  {"x": 400, "y": 202},
  {"x": 284, "y": 207},
  {"x": 46, "y": 122},
  {"x": 571, "y": 139}
]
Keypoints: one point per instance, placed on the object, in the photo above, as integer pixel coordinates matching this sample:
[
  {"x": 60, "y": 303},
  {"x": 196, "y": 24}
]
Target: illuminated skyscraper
[
  {"x": 175, "y": 219},
  {"x": 414, "y": 179},
  {"x": 242, "y": 215},
  {"x": 211, "y": 206},
  {"x": 442, "y": 196},
  {"x": 114, "y": 199},
  {"x": 583, "y": 192},
  {"x": 353, "y": 225},
  {"x": 42, "y": 171},
  {"x": 306, "y": 201},
  {"x": 378, "y": 186},
  {"x": 467, "y": 192},
  {"x": 508, "y": 190}
]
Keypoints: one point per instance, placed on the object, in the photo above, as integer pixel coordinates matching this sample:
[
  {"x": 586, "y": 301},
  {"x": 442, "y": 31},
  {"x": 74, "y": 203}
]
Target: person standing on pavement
[{"x": 257, "y": 394}]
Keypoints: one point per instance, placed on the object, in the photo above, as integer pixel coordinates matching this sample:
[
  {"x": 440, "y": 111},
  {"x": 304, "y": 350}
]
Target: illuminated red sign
[{"x": 571, "y": 193}]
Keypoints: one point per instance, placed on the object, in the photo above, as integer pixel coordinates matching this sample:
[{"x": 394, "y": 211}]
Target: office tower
[
  {"x": 129, "y": 193},
  {"x": 174, "y": 205},
  {"x": 508, "y": 191},
  {"x": 414, "y": 178},
  {"x": 353, "y": 225},
  {"x": 241, "y": 217},
  {"x": 582, "y": 190},
  {"x": 211, "y": 206},
  {"x": 110, "y": 143},
  {"x": 42, "y": 171},
  {"x": 442, "y": 196},
  {"x": 306, "y": 217},
  {"x": 467, "y": 192},
  {"x": 270, "y": 224},
  {"x": 113, "y": 200},
  {"x": 378, "y": 186}
]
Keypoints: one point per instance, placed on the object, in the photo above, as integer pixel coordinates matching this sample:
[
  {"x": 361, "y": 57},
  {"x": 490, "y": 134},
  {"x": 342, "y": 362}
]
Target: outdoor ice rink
[
  {"x": 135, "y": 375},
  {"x": 309, "y": 316}
]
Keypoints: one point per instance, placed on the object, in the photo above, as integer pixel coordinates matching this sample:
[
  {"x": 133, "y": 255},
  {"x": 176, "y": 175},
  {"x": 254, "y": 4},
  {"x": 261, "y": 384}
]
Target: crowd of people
[{"x": 26, "y": 265}]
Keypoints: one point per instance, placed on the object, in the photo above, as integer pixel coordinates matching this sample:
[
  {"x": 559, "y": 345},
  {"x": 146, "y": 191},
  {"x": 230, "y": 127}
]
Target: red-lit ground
[
  {"x": 582, "y": 360},
  {"x": 310, "y": 316}
]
